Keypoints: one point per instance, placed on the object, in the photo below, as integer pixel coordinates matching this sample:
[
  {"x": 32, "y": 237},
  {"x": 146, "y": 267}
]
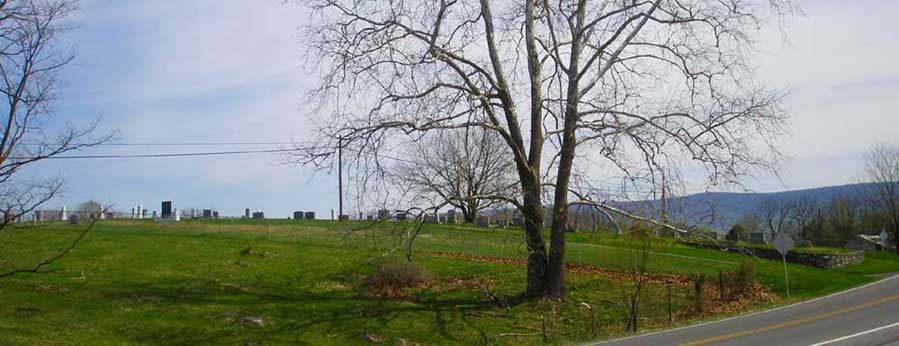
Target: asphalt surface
[{"x": 863, "y": 316}]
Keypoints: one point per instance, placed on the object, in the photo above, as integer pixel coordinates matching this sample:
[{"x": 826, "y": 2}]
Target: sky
[{"x": 232, "y": 71}]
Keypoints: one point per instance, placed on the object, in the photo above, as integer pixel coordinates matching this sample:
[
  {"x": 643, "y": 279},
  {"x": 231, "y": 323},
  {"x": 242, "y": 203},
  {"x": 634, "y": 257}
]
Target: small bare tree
[
  {"x": 776, "y": 217},
  {"x": 622, "y": 87},
  {"x": 470, "y": 170},
  {"x": 882, "y": 171},
  {"x": 803, "y": 211},
  {"x": 31, "y": 55}
]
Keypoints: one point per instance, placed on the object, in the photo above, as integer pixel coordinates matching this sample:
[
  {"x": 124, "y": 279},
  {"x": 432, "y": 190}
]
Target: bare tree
[
  {"x": 470, "y": 170},
  {"x": 31, "y": 55},
  {"x": 623, "y": 87},
  {"x": 776, "y": 217},
  {"x": 803, "y": 211},
  {"x": 882, "y": 170}
]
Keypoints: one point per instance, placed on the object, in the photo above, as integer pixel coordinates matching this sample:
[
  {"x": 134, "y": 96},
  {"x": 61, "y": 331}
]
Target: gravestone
[
  {"x": 758, "y": 238},
  {"x": 451, "y": 216},
  {"x": 155, "y": 215},
  {"x": 369, "y": 217},
  {"x": 258, "y": 215},
  {"x": 309, "y": 215},
  {"x": 215, "y": 214},
  {"x": 482, "y": 221},
  {"x": 431, "y": 218},
  {"x": 383, "y": 214},
  {"x": 207, "y": 213},
  {"x": 343, "y": 217},
  {"x": 298, "y": 215},
  {"x": 73, "y": 219},
  {"x": 166, "y": 209},
  {"x": 246, "y": 213}
]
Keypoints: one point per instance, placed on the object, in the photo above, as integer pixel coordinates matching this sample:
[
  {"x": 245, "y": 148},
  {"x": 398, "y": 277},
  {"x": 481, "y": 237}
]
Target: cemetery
[{"x": 219, "y": 280}]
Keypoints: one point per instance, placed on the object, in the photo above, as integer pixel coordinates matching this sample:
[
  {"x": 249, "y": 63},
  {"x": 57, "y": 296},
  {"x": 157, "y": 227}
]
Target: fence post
[
  {"x": 669, "y": 303},
  {"x": 477, "y": 244},
  {"x": 720, "y": 285},
  {"x": 578, "y": 249},
  {"x": 545, "y": 336},
  {"x": 593, "y": 327}
]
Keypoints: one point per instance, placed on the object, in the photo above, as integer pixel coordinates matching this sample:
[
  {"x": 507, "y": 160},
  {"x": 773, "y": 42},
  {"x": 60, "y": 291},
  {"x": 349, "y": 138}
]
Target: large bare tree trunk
[{"x": 533, "y": 231}]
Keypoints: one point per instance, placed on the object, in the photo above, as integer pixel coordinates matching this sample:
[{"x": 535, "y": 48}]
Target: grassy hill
[{"x": 279, "y": 282}]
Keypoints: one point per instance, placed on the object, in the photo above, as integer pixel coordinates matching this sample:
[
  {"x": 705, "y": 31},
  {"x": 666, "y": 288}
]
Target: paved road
[{"x": 864, "y": 316}]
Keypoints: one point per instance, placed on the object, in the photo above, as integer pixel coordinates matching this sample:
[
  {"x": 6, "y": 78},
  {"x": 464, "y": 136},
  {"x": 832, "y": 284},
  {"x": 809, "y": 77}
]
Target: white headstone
[
  {"x": 783, "y": 243},
  {"x": 883, "y": 239},
  {"x": 177, "y": 215}
]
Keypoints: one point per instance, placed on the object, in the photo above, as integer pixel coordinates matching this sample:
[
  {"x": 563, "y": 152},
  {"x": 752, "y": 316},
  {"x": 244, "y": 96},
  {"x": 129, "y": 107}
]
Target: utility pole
[{"x": 340, "y": 177}]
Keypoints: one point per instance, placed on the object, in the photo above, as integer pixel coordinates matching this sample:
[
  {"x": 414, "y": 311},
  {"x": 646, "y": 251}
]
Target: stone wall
[{"x": 819, "y": 260}]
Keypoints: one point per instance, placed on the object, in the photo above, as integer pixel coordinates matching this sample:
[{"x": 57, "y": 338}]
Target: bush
[
  {"x": 740, "y": 281},
  {"x": 737, "y": 233},
  {"x": 394, "y": 279}
]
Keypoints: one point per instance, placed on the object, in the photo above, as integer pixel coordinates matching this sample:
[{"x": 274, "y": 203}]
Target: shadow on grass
[{"x": 203, "y": 312}]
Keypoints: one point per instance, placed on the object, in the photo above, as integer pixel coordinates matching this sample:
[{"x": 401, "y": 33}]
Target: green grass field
[{"x": 195, "y": 283}]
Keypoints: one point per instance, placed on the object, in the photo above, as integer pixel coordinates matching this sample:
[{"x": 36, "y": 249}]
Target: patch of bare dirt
[
  {"x": 45, "y": 288},
  {"x": 233, "y": 317}
]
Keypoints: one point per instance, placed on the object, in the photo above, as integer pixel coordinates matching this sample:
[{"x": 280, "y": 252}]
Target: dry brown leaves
[{"x": 615, "y": 275}]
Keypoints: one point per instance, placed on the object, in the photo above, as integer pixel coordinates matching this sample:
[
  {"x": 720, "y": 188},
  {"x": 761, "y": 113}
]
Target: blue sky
[{"x": 212, "y": 70}]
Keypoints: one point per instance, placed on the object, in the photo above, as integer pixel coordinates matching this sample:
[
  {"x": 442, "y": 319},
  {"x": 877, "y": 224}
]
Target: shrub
[
  {"x": 737, "y": 233},
  {"x": 740, "y": 281},
  {"x": 394, "y": 279}
]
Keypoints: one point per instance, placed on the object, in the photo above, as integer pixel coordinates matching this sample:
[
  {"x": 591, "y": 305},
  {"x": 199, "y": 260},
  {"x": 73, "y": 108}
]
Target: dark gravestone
[
  {"x": 482, "y": 221},
  {"x": 309, "y": 215},
  {"x": 207, "y": 213},
  {"x": 298, "y": 215},
  {"x": 215, "y": 214},
  {"x": 758, "y": 238},
  {"x": 383, "y": 214},
  {"x": 166, "y": 209},
  {"x": 258, "y": 215},
  {"x": 343, "y": 217},
  {"x": 73, "y": 219},
  {"x": 246, "y": 213}
]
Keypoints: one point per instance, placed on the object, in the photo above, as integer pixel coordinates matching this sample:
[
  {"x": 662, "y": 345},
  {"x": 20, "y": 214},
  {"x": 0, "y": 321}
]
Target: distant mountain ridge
[{"x": 723, "y": 209}]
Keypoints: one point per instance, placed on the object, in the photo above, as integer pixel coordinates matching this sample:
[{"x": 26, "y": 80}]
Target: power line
[
  {"x": 187, "y": 144},
  {"x": 125, "y": 156}
]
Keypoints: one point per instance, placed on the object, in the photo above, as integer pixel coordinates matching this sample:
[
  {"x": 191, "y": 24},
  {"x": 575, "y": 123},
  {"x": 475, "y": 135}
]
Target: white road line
[{"x": 847, "y": 337}]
